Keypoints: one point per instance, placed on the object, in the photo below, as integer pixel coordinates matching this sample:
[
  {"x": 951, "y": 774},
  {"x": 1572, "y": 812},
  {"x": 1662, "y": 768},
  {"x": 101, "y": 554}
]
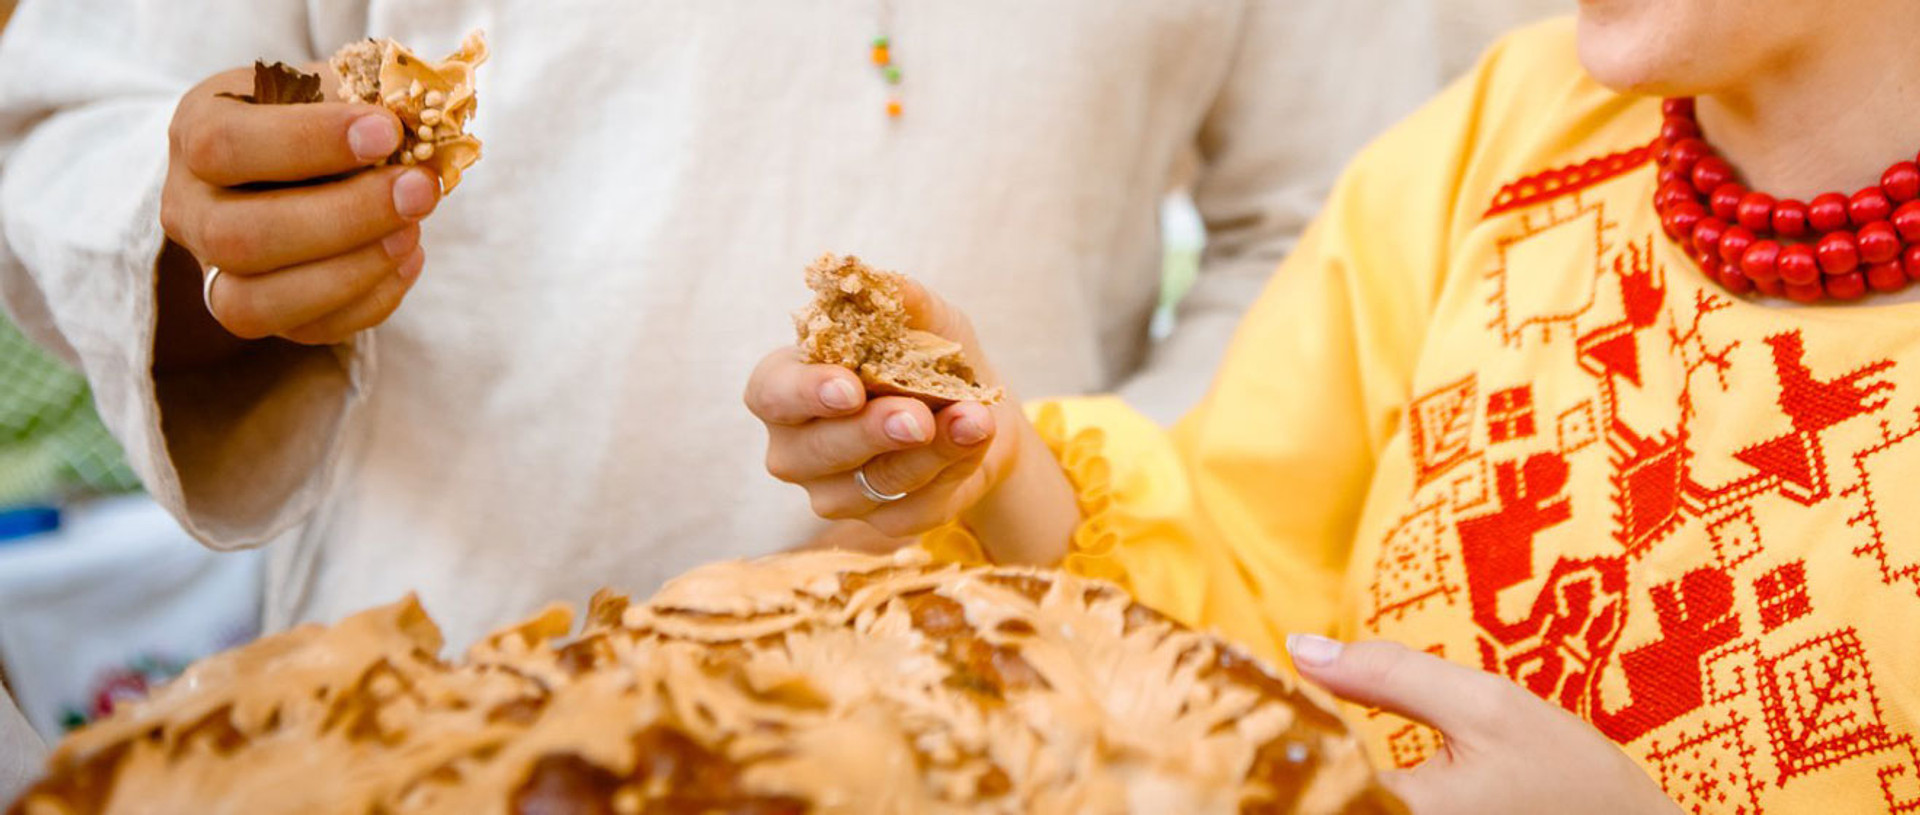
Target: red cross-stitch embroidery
[
  {"x": 1510, "y": 414},
  {"x": 1710, "y": 604},
  {"x": 1782, "y": 594},
  {"x": 1821, "y": 705}
]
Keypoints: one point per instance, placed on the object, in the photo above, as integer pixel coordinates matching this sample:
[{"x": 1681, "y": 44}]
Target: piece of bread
[
  {"x": 433, "y": 100},
  {"x": 858, "y": 321},
  {"x": 824, "y": 682}
]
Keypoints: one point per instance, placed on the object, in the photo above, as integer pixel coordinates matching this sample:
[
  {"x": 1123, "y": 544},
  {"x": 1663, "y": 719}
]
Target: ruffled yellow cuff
[{"x": 1083, "y": 455}]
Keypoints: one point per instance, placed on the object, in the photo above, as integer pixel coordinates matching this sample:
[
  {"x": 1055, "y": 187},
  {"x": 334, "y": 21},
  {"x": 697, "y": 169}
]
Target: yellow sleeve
[{"x": 1241, "y": 518}]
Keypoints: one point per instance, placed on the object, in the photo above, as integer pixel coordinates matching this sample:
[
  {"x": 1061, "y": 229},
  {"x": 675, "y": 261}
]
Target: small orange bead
[
  {"x": 893, "y": 108},
  {"x": 881, "y": 55}
]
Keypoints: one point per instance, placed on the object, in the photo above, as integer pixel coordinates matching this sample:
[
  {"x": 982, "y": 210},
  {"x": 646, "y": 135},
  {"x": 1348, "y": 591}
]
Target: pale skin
[
  {"x": 313, "y": 242},
  {"x": 1801, "y": 97}
]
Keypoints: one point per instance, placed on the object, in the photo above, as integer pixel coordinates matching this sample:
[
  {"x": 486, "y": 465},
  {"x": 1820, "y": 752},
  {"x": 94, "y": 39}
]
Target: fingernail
[
  {"x": 372, "y": 138},
  {"x": 836, "y": 394},
  {"x": 1312, "y": 649},
  {"x": 413, "y": 194},
  {"x": 905, "y": 428},
  {"x": 398, "y": 244},
  {"x": 968, "y": 431}
]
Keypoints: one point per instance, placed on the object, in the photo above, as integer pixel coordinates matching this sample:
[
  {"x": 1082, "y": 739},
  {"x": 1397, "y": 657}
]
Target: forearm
[{"x": 1030, "y": 517}]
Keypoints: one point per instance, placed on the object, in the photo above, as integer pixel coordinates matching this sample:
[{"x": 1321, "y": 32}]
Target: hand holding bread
[
  {"x": 856, "y": 399},
  {"x": 310, "y": 209}
]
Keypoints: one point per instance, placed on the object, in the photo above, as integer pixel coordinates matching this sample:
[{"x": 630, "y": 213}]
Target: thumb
[
  {"x": 1458, "y": 701},
  {"x": 927, "y": 312}
]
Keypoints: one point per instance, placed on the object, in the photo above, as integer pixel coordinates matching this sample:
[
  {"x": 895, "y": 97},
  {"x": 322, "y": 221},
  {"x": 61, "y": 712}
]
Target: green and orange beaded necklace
[{"x": 883, "y": 60}]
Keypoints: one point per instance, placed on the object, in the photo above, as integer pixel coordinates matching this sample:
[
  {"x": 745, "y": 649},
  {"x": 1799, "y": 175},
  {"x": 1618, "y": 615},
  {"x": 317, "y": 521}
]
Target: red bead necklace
[{"x": 1836, "y": 245}]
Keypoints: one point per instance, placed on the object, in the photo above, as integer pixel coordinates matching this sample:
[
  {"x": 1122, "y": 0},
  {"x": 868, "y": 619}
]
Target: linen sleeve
[
  {"x": 21, "y": 751},
  {"x": 1241, "y": 517},
  {"x": 1311, "y": 82},
  {"x": 87, "y": 91}
]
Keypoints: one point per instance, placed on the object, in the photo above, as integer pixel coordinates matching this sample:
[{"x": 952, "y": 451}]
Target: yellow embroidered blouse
[{"x": 1489, "y": 410}]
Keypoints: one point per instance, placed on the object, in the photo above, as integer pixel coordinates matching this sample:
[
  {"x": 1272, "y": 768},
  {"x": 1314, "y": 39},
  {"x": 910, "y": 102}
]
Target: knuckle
[
  {"x": 889, "y": 474},
  {"x": 177, "y": 127},
  {"x": 823, "y": 448},
  {"x": 242, "y": 315},
  {"x": 763, "y": 393},
  {"x": 760, "y": 402},
  {"x": 208, "y": 150},
  {"x": 227, "y": 240},
  {"x": 750, "y": 397},
  {"x": 831, "y": 507},
  {"x": 385, "y": 300},
  {"x": 1485, "y": 697},
  {"x": 1383, "y": 665},
  {"x": 780, "y": 467},
  {"x": 172, "y": 214}
]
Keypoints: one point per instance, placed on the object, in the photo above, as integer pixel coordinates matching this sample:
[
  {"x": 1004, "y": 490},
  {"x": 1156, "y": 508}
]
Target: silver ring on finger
[
  {"x": 206, "y": 289},
  {"x": 866, "y": 488}
]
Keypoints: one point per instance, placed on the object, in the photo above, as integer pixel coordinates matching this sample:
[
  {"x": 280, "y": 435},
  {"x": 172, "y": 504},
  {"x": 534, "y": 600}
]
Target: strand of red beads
[{"x": 1835, "y": 246}]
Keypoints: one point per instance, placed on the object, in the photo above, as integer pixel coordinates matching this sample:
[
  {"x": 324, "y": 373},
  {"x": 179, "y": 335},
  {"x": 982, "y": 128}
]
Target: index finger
[
  {"x": 928, "y": 312},
  {"x": 787, "y": 390},
  {"x": 1458, "y": 701},
  {"x": 228, "y": 142}
]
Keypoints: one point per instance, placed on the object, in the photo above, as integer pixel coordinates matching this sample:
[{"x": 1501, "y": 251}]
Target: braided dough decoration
[
  {"x": 433, "y": 100},
  {"x": 824, "y": 682}
]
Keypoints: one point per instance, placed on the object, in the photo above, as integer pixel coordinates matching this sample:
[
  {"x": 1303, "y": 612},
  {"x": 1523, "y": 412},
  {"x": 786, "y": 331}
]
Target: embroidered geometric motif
[
  {"x": 1709, "y": 772},
  {"x": 1886, "y": 517},
  {"x": 1441, "y": 426},
  {"x": 1821, "y": 705},
  {"x": 1559, "y": 181},
  {"x": 1724, "y": 673},
  {"x": 1510, "y": 414},
  {"x": 1413, "y": 744},
  {"x": 1412, "y": 566},
  {"x": 1646, "y": 487},
  {"x": 1576, "y": 428},
  {"x": 1472, "y": 486},
  {"x": 1665, "y": 676},
  {"x": 1687, "y": 483},
  {"x": 1900, "y": 781},
  {"x": 1783, "y": 595},
  {"x": 1735, "y": 537},
  {"x": 1798, "y": 458},
  {"x": 1522, "y": 301}
]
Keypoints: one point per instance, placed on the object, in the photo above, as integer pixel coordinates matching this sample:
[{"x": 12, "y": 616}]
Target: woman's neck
[{"x": 1829, "y": 118}]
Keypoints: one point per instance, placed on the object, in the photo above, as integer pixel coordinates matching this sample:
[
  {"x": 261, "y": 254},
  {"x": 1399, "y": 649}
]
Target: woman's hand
[
  {"x": 968, "y": 460},
  {"x": 311, "y": 245},
  {"x": 1505, "y": 749}
]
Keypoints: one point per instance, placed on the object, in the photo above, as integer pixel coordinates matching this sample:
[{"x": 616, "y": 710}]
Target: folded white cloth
[{"x": 119, "y": 598}]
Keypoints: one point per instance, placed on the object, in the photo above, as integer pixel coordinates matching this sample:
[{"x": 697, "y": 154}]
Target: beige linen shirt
[
  {"x": 557, "y": 405},
  {"x": 20, "y": 750}
]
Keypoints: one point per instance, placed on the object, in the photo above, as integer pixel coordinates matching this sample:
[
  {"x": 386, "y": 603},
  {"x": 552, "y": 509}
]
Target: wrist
[{"x": 1030, "y": 517}]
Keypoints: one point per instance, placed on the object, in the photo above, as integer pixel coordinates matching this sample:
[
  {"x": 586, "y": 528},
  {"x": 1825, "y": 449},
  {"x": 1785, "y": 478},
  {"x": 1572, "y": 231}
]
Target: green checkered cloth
[{"x": 52, "y": 444}]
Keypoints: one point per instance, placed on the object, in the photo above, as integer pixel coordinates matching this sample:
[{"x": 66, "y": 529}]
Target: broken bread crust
[
  {"x": 434, "y": 100},
  {"x": 858, "y": 320}
]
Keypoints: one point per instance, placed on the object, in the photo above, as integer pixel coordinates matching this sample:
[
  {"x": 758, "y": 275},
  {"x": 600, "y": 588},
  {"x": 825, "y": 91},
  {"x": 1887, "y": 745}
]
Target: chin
[{"x": 1633, "y": 51}]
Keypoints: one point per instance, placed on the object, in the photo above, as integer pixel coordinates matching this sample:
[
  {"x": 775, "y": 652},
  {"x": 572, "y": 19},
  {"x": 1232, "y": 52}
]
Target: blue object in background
[{"x": 25, "y": 522}]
